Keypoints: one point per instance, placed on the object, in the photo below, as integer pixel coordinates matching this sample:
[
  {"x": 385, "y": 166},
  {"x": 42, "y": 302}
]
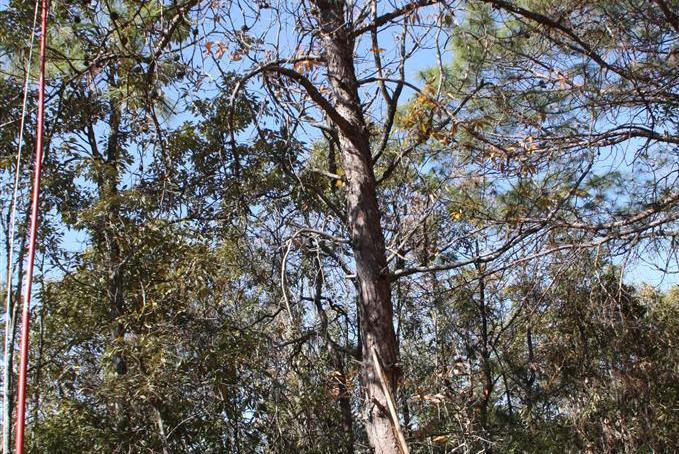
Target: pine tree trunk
[{"x": 363, "y": 218}]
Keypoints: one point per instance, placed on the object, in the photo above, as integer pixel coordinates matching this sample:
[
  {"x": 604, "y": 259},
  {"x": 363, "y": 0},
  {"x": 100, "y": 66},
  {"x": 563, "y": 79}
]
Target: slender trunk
[
  {"x": 7, "y": 379},
  {"x": 161, "y": 430},
  {"x": 488, "y": 383},
  {"x": 10, "y": 342},
  {"x": 337, "y": 362},
  {"x": 37, "y": 373},
  {"x": 530, "y": 380},
  {"x": 508, "y": 394},
  {"x": 106, "y": 236},
  {"x": 363, "y": 218},
  {"x": 9, "y": 375},
  {"x": 400, "y": 309},
  {"x": 9, "y": 346},
  {"x": 110, "y": 248}
]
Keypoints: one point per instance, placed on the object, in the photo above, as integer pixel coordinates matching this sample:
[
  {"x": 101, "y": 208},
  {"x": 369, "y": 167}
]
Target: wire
[
  {"x": 33, "y": 232},
  {"x": 9, "y": 319}
]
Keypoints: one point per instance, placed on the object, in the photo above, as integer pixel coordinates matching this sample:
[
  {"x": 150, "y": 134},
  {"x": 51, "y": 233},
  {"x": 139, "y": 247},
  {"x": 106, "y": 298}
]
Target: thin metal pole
[
  {"x": 10, "y": 311},
  {"x": 33, "y": 231}
]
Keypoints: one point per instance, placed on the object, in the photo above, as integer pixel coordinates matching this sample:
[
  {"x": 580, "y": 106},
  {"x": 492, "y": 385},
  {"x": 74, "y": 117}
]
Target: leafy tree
[{"x": 268, "y": 229}]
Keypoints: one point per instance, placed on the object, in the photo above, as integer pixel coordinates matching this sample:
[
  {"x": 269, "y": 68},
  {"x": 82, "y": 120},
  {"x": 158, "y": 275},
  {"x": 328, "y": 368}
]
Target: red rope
[{"x": 25, "y": 313}]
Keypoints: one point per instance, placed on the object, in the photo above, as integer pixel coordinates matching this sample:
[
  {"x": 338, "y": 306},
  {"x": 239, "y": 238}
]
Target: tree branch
[{"x": 385, "y": 18}]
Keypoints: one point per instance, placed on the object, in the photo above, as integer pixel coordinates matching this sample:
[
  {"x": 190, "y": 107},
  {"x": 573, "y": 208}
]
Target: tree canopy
[{"x": 329, "y": 226}]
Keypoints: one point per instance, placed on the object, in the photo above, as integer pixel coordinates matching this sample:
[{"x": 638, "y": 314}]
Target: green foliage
[{"x": 197, "y": 290}]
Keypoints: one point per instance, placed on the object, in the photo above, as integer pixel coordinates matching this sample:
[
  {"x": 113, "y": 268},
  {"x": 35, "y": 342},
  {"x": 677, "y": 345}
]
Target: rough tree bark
[{"x": 363, "y": 218}]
